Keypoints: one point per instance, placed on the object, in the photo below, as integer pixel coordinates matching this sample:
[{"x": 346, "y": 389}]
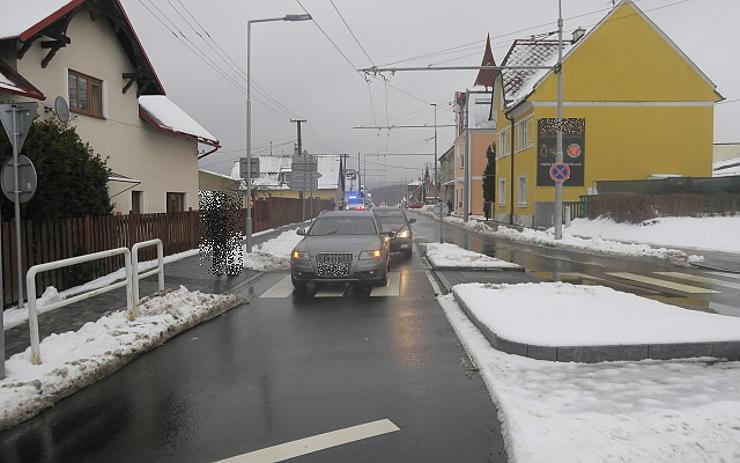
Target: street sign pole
[
  {"x": 559, "y": 127},
  {"x": 17, "y": 201},
  {"x": 2, "y": 305}
]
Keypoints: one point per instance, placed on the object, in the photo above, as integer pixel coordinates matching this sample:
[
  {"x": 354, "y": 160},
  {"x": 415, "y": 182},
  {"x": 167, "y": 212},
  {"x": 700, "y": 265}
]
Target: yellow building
[{"x": 635, "y": 107}]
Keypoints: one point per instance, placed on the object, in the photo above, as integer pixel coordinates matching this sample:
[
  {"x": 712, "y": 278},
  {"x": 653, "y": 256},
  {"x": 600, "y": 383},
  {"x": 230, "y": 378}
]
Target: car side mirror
[
  {"x": 301, "y": 232},
  {"x": 390, "y": 234},
  {"x": 412, "y": 220}
]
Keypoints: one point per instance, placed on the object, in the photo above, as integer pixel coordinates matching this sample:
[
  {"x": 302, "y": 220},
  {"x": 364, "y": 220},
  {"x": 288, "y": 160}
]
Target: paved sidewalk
[{"x": 191, "y": 272}]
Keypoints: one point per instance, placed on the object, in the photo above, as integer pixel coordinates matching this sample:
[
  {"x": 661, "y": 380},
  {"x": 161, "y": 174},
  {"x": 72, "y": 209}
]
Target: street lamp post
[{"x": 289, "y": 17}]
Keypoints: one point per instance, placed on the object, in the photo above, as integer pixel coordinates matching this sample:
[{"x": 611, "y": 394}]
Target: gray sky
[{"x": 296, "y": 65}]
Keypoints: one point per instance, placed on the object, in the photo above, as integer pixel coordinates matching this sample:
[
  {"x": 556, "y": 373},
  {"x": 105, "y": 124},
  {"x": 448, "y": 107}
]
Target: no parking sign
[{"x": 560, "y": 172}]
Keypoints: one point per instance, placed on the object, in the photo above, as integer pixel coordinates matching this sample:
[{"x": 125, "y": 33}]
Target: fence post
[
  {"x": 567, "y": 215},
  {"x": 33, "y": 322},
  {"x": 131, "y": 308}
]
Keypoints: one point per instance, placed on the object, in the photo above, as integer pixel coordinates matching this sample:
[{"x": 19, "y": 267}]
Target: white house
[{"x": 87, "y": 51}]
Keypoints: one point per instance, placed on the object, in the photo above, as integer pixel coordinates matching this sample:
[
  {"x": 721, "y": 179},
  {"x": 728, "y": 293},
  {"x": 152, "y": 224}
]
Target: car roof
[{"x": 347, "y": 214}]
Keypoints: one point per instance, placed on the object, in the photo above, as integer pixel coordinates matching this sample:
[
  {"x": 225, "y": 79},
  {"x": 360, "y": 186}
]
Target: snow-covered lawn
[
  {"x": 273, "y": 254},
  {"x": 14, "y": 316},
  {"x": 562, "y": 314},
  {"x": 450, "y": 255},
  {"x": 651, "y": 411},
  {"x": 710, "y": 233},
  {"x": 74, "y": 360}
]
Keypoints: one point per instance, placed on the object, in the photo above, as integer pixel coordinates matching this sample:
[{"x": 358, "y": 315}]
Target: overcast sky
[{"x": 297, "y": 66}]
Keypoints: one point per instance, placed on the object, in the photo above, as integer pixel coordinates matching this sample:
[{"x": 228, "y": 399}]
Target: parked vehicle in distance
[
  {"x": 342, "y": 246},
  {"x": 415, "y": 205},
  {"x": 395, "y": 220},
  {"x": 355, "y": 202}
]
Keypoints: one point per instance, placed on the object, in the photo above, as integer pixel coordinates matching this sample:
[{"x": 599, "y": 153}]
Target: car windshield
[
  {"x": 390, "y": 219},
  {"x": 343, "y": 226}
]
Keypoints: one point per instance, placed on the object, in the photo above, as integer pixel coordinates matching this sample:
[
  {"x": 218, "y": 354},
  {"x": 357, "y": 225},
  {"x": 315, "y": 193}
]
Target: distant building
[
  {"x": 88, "y": 53},
  {"x": 636, "y": 107}
]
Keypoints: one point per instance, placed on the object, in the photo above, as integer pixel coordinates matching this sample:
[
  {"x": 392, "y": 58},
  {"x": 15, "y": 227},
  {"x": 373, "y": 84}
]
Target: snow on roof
[
  {"x": 727, "y": 168},
  {"x": 520, "y": 83},
  {"x": 416, "y": 182},
  {"x": 21, "y": 15},
  {"x": 218, "y": 174},
  {"x": 12, "y": 82},
  {"x": 165, "y": 115}
]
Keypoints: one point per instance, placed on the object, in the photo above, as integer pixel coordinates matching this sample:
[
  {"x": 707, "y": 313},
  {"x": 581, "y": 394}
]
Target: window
[
  {"x": 522, "y": 191},
  {"x": 175, "y": 202},
  {"x": 85, "y": 94},
  {"x": 137, "y": 202},
  {"x": 502, "y": 143},
  {"x": 502, "y": 192},
  {"x": 523, "y": 139}
]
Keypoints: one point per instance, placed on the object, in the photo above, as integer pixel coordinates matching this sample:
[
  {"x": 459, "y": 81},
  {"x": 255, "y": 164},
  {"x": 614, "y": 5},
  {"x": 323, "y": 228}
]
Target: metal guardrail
[
  {"x": 158, "y": 270},
  {"x": 33, "y": 324},
  {"x": 131, "y": 282}
]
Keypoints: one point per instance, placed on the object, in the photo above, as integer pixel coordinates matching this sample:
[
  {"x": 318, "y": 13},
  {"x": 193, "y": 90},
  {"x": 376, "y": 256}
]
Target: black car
[{"x": 395, "y": 220}]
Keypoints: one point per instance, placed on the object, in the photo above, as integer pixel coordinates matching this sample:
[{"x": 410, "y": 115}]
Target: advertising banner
[{"x": 574, "y": 150}]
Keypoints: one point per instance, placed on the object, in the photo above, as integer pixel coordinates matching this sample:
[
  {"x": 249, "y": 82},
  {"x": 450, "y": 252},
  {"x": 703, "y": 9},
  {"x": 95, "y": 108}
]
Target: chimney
[{"x": 578, "y": 34}]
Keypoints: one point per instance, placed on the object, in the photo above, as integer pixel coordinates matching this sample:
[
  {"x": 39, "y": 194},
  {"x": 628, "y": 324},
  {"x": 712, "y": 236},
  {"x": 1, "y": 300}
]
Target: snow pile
[
  {"x": 273, "y": 254},
  {"x": 649, "y": 411},
  {"x": 74, "y": 360},
  {"x": 561, "y": 314},
  {"x": 450, "y": 255},
  {"x": 727, "y": 168},
  {"x": 710, "y": 233},
  {"x": 14, "y": 316},
  {"x": 596, "y": 245}
]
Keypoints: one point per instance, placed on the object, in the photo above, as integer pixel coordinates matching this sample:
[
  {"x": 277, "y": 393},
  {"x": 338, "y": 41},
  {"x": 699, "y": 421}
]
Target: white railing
[
  {"x": 33, "y": 323},
  {"x": 131, "y": 282},
  {"x": 159, "y": 269}
]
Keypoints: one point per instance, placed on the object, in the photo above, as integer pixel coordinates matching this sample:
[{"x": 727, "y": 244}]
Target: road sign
[
  {"x": 27, "y": 179},
  {"x": 23, "y": 114},
  {"x": 244, "y": 171},
  {"x": 574, "y": 151},
  {"x": 559, "y": 172},
  {"x": 305, "y": 175}
]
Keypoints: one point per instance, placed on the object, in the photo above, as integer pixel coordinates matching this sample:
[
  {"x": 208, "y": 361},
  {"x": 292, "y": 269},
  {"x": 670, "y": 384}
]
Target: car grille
[{"x": 333, "y": 265}]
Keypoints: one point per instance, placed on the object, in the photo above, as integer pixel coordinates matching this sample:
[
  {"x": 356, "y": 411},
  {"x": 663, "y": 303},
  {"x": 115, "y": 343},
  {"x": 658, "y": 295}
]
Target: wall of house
[
  {"x": 161, "y": 162},
  {"x": 480, "y": 141}
]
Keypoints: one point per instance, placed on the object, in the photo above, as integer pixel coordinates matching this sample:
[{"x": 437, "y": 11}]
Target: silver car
[{"x": 342, "y": 246}]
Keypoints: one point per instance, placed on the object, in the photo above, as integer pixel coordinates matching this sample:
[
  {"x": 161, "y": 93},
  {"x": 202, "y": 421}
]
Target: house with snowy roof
[
  {"x": 275, "y": 172},
  {"x": 88, "y": 52},
  {"x": 635, "y": 107},
  {"x": 475, "y": 134}
]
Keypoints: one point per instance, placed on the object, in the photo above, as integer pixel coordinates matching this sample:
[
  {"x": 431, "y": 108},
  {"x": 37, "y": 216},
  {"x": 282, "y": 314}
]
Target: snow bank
[
  {"x": 561, "y": 314},
  {"x": 14, "y": 316},
  {"x": 710, "y": 233},
  {"x": 273, "y": 254},
  {"x": 649, "y": 411},
  {"x": 450, "y": 255},
  {"x": 74, "y": 360}
]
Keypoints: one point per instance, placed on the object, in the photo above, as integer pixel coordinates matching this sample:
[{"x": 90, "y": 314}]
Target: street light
[{"x": 287, "y": 17}]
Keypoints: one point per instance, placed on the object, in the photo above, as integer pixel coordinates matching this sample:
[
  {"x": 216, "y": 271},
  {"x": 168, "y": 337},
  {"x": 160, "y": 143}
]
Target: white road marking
[
  {"x": 392, "y": 288},
  {"x": 333, "y": 292},
  {"x": 726, "y": 274},
  {"x": 700, "y": 279},
  {"x": 579, "y": 276},
  {"x": 662, "y": 283},
  {"x": 282, "y": 288},
  {"x": 315, "y": 443}
]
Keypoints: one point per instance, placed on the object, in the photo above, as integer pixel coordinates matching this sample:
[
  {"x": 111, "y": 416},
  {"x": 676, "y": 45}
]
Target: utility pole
[
  {"x": 559, "y": 128},
  {"x": 436, "y": 177},
  {"x": 299, "y": 123},
  {"x": 466, "y": 168}
]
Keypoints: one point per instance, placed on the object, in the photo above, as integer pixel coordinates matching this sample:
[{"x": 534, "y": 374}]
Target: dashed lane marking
[
  {"x": 662, "y": 283},
  {"x": 282, "y": 288},
  {"x": 392, "y": 288},
  {"x": 700, "y": 279},
  {"x": 315, "y": 443}
]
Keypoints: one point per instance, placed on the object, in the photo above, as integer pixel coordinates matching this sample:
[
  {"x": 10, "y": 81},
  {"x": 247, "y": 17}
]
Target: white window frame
[
  {"x": 523, "y": 135},
  {"x": 522, "y": 191},
  {"x": 502, "y": 191}
]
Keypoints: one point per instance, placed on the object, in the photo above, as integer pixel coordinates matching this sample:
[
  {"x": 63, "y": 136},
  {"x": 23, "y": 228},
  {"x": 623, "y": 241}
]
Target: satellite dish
[{"x": 61, "y": 108}]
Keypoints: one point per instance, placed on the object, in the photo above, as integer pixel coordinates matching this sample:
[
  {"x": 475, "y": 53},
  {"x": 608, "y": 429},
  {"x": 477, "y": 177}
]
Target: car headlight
[
  {"x": 300, "y": 255},
  {"x": 372, "y": 254},
  {"x": 405, "y": 233}
]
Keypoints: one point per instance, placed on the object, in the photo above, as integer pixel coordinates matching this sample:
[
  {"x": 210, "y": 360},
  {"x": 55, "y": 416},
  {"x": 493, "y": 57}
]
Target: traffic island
[
  {"x": 447, "y": 256},
  {"x": 76, "y": 359},
  {"x": 567, "y": 323}
]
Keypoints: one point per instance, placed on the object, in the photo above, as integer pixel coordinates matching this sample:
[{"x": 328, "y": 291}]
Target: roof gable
[{"x": 27, "y": 21}]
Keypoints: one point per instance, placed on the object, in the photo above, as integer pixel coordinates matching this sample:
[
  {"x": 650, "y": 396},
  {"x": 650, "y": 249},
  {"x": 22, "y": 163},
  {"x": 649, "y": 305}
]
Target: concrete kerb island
[{"x": 729, "y": 350}]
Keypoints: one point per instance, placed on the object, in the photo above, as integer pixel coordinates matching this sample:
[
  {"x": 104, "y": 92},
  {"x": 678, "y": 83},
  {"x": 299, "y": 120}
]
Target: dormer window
[{"x": 85, "y": 94}]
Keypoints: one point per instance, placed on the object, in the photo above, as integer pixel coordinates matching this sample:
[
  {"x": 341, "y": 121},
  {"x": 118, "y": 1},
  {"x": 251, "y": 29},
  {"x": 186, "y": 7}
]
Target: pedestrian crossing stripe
[
  {"x": 284, "y": 288},
  {"x": 725, "y": 274},
  {"x": 662, "y": 283},
  {"x": 700, "y": 279}
]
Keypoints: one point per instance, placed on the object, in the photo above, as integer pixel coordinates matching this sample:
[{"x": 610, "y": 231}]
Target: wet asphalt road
[
  {"x": 548, "y": 263},
  {"x": 281, "y": 369}
]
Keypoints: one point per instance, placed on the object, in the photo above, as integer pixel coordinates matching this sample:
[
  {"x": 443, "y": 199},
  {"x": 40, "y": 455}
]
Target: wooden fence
[{"x": 53, "y": 240}]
